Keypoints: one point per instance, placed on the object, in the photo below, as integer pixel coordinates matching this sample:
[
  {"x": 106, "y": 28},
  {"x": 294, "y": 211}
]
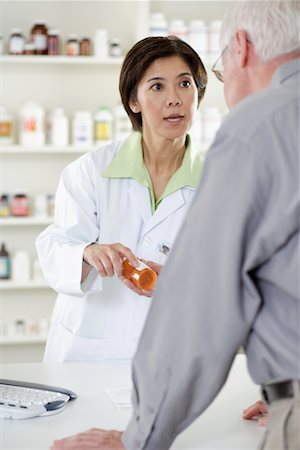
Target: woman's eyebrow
[{"x": 183, "y": 74}]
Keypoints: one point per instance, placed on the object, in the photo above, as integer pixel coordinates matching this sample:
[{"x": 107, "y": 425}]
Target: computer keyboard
[{"x": 22, "y": 400}]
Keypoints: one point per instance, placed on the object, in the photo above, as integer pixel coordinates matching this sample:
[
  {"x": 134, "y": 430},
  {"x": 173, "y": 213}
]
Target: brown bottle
[
  {"x": 142, "y": 276},
  {"x": 39, "y": 34}
]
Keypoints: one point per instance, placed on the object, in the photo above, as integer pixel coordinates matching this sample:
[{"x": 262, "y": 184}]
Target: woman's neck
[
  {"x": 162, "y": 159},
  {"x": 163, "y": 156}
]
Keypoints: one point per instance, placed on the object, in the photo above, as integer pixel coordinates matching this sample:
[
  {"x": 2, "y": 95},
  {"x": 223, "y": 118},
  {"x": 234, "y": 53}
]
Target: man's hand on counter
[
  {"x": 258, "y": 411},
  {"x": 93, "y": 439}
]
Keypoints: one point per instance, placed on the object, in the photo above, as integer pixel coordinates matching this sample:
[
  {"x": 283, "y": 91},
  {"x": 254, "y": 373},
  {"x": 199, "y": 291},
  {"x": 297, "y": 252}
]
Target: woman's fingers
[
  {"x": 108, "y": 259},
  {"x": 134, "y": 288}
]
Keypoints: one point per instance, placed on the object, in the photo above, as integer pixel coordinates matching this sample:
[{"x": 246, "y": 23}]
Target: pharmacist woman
[{"x": 125, "y": 200}]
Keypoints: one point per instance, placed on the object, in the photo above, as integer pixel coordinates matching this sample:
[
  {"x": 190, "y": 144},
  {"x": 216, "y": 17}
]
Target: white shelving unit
[
  {"x": 60, "y": 59},
  {"x": 25, "y": 221},
  {"x": 74, "y": 83}
]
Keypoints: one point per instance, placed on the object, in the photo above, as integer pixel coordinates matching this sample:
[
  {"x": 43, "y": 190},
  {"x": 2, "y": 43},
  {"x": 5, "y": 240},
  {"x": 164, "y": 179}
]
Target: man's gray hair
[{"x": 272, "y": 26}]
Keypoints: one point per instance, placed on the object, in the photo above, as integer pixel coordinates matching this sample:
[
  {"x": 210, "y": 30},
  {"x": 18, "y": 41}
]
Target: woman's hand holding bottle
[
  {"x": 108, "y": 259},
  {"x": 146, "y": 293}
]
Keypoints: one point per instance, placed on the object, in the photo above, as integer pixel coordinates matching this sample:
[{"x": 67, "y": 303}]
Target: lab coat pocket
[{"x": 79, "y": 348}]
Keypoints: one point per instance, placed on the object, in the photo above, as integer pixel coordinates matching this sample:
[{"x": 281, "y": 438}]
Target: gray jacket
[{"x": 232, "y": 277}]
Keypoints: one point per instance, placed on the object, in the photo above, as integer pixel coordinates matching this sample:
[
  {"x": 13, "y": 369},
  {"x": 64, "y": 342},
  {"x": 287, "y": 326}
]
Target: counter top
[{"x": 220, "y": 427}]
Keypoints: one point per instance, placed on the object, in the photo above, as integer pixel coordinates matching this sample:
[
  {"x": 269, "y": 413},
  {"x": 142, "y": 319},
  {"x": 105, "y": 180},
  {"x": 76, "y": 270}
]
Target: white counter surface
[{"x": 221, "y": 427}]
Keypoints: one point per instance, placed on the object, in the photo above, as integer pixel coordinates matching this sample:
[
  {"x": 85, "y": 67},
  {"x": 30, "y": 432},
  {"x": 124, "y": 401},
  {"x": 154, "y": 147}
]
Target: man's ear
[
  {"x": 241, "y": 47},
  {"x": 134, "y": 106}
]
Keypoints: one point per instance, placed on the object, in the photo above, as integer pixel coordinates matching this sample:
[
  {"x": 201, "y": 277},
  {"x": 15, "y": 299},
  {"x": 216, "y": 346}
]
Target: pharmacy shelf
[
  {"x": 32, "y": 284},
  {"x": 46, "y": 149},
  {"x": 61, "y": 59},
  {"x": 30, "y": 221},
  {"x": 19, "y": 340}
]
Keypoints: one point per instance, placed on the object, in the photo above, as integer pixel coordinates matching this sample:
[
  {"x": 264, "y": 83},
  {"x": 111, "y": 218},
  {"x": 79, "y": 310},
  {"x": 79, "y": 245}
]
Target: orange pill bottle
[{"x": 142, "y": 276}]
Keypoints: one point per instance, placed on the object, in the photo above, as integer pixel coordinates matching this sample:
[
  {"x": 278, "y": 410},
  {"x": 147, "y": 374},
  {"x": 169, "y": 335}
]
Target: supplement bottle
[
  {"x": 82, "y": 129},
  {"x": 142, "y": 276},
  {"x": 16, "y": 42},
  {"x": 179, "y": 29},
  {"x": 53, "y": 42},
  {"x": 4, "y": 206},
  {"x": 214, "y": 39},
  {"x": 6, "y": 127},
  {"x": 158, "y": 25},
  {"x": 103, "y": 125},
  {"x": 198, "y": 37},
  {"x": 5, "y": 271},
  {"x": 85, "y": 47},
  {"x": 115, "y": 48},
  {"x": 72, "y": 45},
  {"x": 58, "y": 128},
  {"x": 20, "y": 205},
  {"x": 32, "y": 125},
  {"x": 123, "y": 126},
  {"x": 39, "y": 33},
  {"x": 21, "y": 266},
  {"x": 29, "y": 49},
  {"x": 101, "y": 44}
]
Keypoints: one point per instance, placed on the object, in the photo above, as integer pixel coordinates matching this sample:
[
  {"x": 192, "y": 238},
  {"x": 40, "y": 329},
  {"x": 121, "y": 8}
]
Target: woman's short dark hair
[{"x": 142, "y": 55}]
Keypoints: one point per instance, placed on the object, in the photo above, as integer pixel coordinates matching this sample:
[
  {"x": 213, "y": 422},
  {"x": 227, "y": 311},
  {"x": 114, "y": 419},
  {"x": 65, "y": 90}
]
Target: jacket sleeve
[
  {"x": 60, "y": 246},
  {"x": 199, "y": 317}
]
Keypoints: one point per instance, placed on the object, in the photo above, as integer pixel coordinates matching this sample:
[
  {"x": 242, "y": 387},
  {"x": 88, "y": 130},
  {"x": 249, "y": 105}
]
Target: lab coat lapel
[
  {"x": 139, "y": 197},
  {"x": 167, "y": 207}
]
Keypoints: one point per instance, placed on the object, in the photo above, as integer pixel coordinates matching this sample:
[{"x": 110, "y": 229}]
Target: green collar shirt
[{"x": 129, "y": 163}]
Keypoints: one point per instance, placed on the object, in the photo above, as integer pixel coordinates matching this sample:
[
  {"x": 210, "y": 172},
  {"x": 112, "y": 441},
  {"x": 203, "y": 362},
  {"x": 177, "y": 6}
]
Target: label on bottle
[
  {"x": 4, "y": 267},
  {"x": 102, "y": 131},
  {"x": 16, "y": 45},
  {"x": 5, "y": 129},
  {"x": 141, "y": 266},
  {"x": 40, "y": 42},
  {"x": 29, "y": 125}
]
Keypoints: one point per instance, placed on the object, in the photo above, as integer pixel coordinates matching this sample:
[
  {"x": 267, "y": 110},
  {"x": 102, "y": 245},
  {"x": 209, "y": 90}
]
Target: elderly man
[{"x": 233, "y": 276}]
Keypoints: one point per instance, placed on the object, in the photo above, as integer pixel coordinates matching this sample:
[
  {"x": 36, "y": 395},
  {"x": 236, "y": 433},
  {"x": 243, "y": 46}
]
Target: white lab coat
[{"x": 101, "y": 318}]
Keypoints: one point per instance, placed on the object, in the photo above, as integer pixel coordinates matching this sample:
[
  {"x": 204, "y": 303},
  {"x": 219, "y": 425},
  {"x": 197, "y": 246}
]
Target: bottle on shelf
[
  {"x": 6, "y": 126},
  {"x": 16, "y": 42},
  {"x": 82, "y": 130},
  {"x": 32, "y": 125},
  {"x": 58, "y": 128},
  {"x": 4, "y": 205},
  {"x": 85, "y": 47},
  {"x": 39, "y": 34},
  {"x": 72, "y": 47},
  {"x": 214, "y": 39},
  {"x": 5, "y": 266},
  {"x": 101, "y": 44},
  {"x": 115, "y": 49},
  {"x": 103, "y": 125},
  {"x": 29, "y": 49},
  {"x": 20, "y": 204},
  {"x": 53, "y": 44},
  {"x": 158, "y": 25},
  {"x": 20, "y": 266},
  {"x": 211, "y": 124},
  {"x": 40, "y": 205},
  {"x": 123, "y": 125},
  {"x": 142, "y": 276},
  {"x": 1, "y": 44},
  {"x": 198, "y": 37},
  {"x": 178, "y": 28}
]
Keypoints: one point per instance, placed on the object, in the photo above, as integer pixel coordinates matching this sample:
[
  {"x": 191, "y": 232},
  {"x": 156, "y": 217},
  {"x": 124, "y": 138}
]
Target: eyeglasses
[{"x": 218, "y": 68}]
